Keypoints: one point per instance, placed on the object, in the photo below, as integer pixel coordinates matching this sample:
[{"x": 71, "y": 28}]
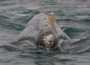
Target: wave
[{"x": 16, "y": 18}]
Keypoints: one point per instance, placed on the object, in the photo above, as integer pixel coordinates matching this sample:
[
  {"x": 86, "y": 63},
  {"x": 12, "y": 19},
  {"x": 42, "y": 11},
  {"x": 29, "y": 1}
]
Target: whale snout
[{"x": 48, "y": 40}]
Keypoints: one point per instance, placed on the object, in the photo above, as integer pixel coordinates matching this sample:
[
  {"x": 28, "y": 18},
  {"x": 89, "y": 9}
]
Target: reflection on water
[
  {"x": 75, "y": 54},
  {"x": 39, "y": 56}
]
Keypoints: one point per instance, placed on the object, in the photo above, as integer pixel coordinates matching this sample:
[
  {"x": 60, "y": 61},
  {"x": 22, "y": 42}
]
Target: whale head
[{"x": 47, "y": 40}]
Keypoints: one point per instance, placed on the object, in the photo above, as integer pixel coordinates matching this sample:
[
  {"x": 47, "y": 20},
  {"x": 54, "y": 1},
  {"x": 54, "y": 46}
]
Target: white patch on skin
[{"x": 48, "y": 38}]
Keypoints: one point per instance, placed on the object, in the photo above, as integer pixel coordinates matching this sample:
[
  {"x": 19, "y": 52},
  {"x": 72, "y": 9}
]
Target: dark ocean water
[{"x": 15, "y": 14}]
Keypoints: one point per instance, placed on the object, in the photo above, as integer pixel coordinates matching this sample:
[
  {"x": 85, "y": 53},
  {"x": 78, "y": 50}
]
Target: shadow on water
[{"x": 40, "y": 56}]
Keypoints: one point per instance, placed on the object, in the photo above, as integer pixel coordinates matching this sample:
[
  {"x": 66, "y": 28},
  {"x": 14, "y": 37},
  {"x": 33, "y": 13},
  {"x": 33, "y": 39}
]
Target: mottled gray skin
[{"x": 29, "y": 36}]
